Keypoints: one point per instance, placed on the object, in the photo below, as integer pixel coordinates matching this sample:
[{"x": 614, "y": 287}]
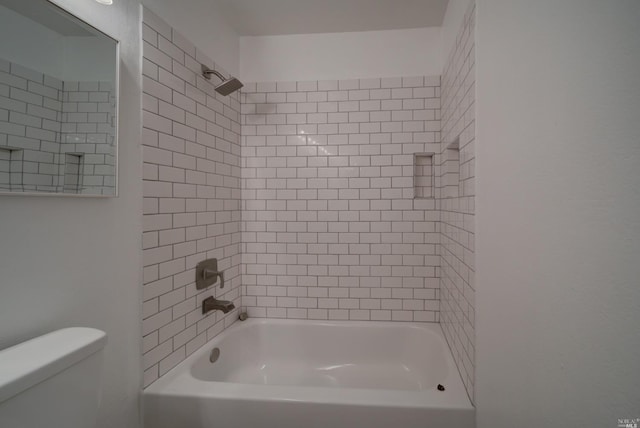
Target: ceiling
[{"x": 274, "y": 17}]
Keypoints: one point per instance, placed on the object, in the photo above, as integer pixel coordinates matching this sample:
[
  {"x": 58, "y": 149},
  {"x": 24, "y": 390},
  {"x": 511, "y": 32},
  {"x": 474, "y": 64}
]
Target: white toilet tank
[{"x": 52, "y": 381}]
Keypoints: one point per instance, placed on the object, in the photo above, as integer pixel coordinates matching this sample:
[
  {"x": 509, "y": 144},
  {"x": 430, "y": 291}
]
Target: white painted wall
[
  {"x": 204, "y": 26},
  {"x": 558, "y": 213},
  {"x": 67, "y": 262},
  {"x": 328, "y": 56},
  {"x": 451, "y": 25}
]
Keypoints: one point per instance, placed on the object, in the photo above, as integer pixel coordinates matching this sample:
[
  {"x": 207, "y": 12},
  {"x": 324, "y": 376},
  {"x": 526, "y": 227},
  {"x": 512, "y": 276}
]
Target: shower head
[
  {"x": 225, "y": 87},
  {"x": 229, "y": 86}
]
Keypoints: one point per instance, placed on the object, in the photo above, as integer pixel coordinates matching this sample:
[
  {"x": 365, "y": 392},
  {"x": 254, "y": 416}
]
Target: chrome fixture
[
  {"x": 225, "y": 87},
  {"x": 207, "y": 273},
  {"x": 210, "y": 304}
]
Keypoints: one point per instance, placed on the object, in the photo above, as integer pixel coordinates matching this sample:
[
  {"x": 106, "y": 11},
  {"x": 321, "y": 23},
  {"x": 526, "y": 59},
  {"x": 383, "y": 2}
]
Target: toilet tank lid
[{"x": 29, "y": 363}]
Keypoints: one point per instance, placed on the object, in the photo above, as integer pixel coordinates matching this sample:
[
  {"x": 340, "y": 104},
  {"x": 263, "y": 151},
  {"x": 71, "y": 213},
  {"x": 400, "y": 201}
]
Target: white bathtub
[{"x": 314, "y": 374}]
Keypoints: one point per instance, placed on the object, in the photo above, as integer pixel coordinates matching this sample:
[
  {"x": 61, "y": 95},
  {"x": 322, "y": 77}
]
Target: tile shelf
[{"x": 423, "y": 176}]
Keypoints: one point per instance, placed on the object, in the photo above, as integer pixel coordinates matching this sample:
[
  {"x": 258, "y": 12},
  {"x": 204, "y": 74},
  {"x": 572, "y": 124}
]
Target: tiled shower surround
[
  {"x": 333, "y": 200},
  {"x": 42, "y": 120},
  {"x": 191, "y": 154},
  {"x": 331, "y": 229},
  {"x": 456, "y": 200}
]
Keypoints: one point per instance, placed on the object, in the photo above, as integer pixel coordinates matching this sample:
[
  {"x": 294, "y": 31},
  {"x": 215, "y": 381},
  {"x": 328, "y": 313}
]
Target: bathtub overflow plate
[{"x": 215, "y": 354}]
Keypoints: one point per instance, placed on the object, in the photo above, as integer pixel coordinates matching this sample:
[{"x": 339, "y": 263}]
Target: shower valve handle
[{"x": 210, "y": 273}]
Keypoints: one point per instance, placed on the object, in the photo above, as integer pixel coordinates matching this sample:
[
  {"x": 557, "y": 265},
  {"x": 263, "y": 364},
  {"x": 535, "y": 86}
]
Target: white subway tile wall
[
  {"x": 191, "y": 154},
  {"x": 88, "y": 132},
  {"x": 41, "y": 119},
  {"x": 30, "y": 110},
  {"x": 455, "y": 182},
  {"x": 331, "y": 228}
]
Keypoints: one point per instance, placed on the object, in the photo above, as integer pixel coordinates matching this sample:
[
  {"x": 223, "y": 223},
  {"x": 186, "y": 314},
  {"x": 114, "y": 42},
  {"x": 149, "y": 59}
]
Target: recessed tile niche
[
  {"x": 423, "y": 175},
  {"x": 73, "y": 172}
]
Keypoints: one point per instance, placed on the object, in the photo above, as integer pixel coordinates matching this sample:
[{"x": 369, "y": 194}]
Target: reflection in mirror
[{"x": 58, "y": 102}]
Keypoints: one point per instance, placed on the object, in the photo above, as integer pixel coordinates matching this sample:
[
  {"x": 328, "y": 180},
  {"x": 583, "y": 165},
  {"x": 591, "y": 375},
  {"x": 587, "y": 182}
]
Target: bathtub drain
[{"x": 215, "y": 354}]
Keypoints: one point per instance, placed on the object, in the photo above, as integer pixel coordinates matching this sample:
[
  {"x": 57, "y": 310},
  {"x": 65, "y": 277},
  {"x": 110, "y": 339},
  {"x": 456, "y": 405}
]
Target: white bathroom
[{"x": 302, "y": 213}]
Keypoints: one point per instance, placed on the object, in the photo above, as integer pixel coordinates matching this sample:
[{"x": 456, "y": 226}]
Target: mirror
[{"x": 58, "y": 103}]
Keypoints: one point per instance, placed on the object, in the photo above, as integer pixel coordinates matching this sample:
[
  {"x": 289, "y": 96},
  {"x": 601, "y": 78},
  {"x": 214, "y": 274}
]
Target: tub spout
[{"x": 210, "y": 304}]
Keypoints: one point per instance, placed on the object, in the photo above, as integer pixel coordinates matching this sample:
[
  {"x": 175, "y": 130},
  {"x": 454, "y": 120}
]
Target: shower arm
[{"x": 207, "y": 72}]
